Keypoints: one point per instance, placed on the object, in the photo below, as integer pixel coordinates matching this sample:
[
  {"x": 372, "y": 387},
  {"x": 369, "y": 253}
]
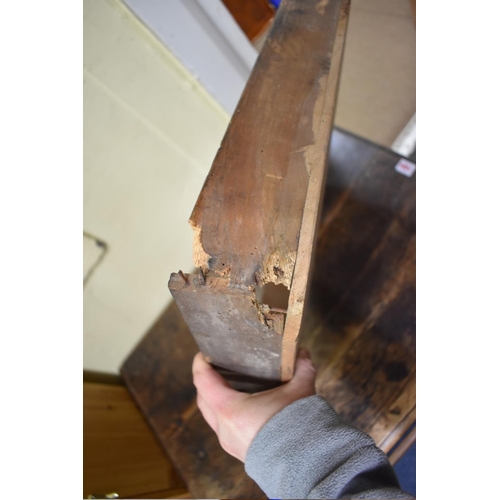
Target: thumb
[
  {"x": 210, "y": 385},
  {"x": 305, "y": 372}
]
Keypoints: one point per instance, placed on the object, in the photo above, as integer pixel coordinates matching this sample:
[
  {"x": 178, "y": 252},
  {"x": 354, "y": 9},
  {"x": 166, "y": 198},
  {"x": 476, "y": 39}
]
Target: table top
[{"x": 359, "y": 324}]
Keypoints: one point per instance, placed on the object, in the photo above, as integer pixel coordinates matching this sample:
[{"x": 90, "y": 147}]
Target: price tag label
[{"x": 405, "y": 167}]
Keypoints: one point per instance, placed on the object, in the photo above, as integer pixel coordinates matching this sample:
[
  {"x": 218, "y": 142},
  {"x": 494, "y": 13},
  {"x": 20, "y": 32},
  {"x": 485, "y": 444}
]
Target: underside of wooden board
[
  {"x": 221, "y": 315},
  {"x": 255, "y": 219}
]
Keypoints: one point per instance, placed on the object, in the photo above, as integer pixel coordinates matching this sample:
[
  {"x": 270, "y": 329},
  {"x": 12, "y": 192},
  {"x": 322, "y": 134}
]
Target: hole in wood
[{"x": 275, "y": 296}]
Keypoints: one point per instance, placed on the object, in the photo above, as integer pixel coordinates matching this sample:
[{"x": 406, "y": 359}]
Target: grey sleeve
[{"x": 307, "y": 451}]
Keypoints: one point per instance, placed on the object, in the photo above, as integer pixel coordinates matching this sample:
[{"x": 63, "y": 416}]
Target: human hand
[{"x": 237, "y": 417}]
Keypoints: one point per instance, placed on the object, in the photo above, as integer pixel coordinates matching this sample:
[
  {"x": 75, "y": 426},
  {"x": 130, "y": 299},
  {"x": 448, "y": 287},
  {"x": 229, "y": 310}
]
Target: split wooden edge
[{"x": 317, "y": 162}]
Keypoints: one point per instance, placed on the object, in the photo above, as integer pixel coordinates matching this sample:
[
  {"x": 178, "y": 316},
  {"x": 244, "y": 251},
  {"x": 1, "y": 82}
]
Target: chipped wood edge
[{"x": 315, "y": 160}]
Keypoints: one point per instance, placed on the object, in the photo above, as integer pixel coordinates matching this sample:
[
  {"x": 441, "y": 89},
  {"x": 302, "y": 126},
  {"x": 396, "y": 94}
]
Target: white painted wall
[
  {"x": 150, "y": 134},
  {"x": 203, "y": 35}
]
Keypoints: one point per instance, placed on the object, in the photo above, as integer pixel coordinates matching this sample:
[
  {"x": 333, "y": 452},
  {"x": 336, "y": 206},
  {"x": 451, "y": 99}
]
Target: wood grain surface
[
  {"x": 256, "y": 216},
  {"x": 224, "y": 320},
  {"x": 120, "y": 453},
  {"x": 359, "y": 324}
]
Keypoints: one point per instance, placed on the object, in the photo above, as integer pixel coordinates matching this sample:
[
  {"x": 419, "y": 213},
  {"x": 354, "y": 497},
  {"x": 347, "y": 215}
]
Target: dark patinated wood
[
  {"x": 359, "y": 324},
  {"x": 228, "y": 326},
  {"x": 120, "y": 453},
  {"x": 255, "y": 219}
]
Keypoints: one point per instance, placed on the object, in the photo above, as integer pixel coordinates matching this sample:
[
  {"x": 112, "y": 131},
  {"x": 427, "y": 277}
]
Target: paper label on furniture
[{"x": 405, "y": 167}]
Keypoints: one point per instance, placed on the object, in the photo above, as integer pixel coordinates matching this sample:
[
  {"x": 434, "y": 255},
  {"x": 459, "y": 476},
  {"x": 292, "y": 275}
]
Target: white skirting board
[{"x": 406, "y": 141}]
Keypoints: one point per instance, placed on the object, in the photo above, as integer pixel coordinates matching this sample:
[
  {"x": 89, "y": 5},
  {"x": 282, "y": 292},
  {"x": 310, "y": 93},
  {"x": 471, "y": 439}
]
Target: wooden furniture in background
[
  {"x": 403, "y": 446},
  {"x": 255, "y": 219},
  {"x": 253, "y": 16},
  {"x": 359, "y": 325},
  {"x": 120, "y": 453}
]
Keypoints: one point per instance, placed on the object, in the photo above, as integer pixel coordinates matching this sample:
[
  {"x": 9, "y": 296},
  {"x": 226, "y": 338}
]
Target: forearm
[{"x": 307, "y": 451}]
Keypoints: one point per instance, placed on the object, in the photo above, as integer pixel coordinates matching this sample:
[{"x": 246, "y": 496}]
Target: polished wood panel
[
  {"x": 359, "y": 324},
  {"x": 120, "y": 453}
]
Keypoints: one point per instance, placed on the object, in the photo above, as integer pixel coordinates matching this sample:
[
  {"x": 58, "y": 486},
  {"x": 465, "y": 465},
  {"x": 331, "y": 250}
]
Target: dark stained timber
[{"x": 256, "y": 217}]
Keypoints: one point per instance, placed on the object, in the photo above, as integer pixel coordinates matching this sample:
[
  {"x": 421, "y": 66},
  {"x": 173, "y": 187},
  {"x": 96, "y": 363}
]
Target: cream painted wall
[{"x": 150, "y": 135}]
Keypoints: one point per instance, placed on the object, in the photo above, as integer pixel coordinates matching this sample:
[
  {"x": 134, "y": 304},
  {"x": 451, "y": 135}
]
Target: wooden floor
[{"x": 359, "y": 325}]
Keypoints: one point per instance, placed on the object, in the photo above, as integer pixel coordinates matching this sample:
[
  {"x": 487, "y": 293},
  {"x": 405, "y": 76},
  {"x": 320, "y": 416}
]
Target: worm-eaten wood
[{"x": 255, "y": 219}]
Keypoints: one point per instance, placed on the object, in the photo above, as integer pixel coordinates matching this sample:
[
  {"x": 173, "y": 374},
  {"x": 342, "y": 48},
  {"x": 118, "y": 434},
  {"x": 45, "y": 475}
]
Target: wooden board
[
  {"x": 359, "y": 324},
  {"x": 220, "y": 316},
  {"x": 120, "y": 453},
  {"x": 255, "y": 219}
]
